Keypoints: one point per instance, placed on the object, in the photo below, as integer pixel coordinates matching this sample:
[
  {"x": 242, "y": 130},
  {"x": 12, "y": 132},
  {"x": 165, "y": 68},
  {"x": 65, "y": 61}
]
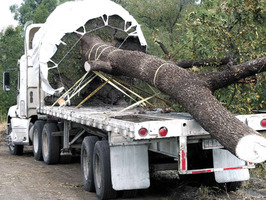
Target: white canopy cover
[{"x": 67, "y": 18}]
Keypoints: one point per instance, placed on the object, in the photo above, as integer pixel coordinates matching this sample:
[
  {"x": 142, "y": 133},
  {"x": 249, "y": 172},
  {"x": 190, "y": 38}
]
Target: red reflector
[
  {"x": 143, "y": 131},
  {"x": 163, "y": 131},
  {"x": 263, "y": 123}
]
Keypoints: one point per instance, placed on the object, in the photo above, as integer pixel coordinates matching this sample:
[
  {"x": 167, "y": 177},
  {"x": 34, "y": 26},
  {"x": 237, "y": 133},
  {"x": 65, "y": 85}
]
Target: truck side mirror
[{"x": 6, "y": 81}]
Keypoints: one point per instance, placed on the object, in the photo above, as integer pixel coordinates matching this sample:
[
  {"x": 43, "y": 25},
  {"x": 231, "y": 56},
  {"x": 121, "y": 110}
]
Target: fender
[{"x": 12, "y": 112}]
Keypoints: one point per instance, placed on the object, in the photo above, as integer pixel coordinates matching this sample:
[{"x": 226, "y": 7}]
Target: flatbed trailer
[{"x": 123, "y": 131}]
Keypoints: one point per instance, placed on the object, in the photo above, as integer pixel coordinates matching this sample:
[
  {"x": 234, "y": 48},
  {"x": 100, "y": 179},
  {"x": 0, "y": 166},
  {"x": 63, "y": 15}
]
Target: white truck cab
[{"x": 20, "y": 115}]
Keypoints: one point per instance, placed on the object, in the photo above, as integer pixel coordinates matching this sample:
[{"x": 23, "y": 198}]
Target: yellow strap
[
  {"x": 83, "y": 86},
  {"x": 82, "y": 79},
  {"x": 103, "y": 51},
  {"x": 113, "y": 52},
  {"x": 137, "y": 88},
  {"x": 115, "y": 86},
  {"x": 137, "y": 103},
  {"x": 63, "y": 95},
  {"x": 89, "y": 56},
  {"x": 93, "y": 93},
  {"x": 156, "y": 72},
  {"x": 134, "y": 93},
  {"x": 95, "y": 58}
]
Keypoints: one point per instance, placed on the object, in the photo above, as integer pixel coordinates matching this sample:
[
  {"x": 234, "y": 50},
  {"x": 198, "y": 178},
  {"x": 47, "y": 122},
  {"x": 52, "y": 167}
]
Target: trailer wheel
[
  {"x": 230, "y": 186},
  {"x": 50, "y": 144},
  {"x": 102, "y": 171},
  {"x": 87, "y": 149},
  {"x": 128, "y": 194},
  {"x": 37, "y": 139},
  {"x": 14, "y": 149}
]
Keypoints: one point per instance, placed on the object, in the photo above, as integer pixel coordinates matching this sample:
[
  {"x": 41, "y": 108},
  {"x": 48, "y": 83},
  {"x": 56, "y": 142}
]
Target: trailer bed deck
[{"x": 111, "y": 119}]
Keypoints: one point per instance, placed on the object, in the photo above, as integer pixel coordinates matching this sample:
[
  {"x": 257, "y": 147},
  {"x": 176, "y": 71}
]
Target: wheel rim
[
  {"x": 45, "y": 144},
  {"x": 35, "y": 140},
  {"x": 98, "y": 171},
  {"x": 85, "y": 165},
  {"x": 10, "y": 143}
]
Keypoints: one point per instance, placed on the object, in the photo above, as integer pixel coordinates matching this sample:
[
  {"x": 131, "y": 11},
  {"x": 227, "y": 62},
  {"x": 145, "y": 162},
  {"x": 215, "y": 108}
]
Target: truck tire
[
  {"x": 14, "y": 149},
  {"x": 128, "y": 194},
  {"x": 87, "y": 150},
  {"x": 31, "y": 129},
  {"x": 230, "y": 186},
  {"x": 37, "y": 139},
  {"x": 102, "y": 171},
  {"x": 50, "y": 144}
]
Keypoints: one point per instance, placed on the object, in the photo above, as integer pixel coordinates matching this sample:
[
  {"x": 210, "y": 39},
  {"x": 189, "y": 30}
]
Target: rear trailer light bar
[
  {"x": 209, "y": 170},
  {"x": 162, "y": 131},
  {"x": 182, "y": 167}
]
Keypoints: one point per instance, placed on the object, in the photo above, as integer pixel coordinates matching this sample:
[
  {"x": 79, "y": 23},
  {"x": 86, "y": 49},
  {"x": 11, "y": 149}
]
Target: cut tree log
[{"x": 193, "y": 91}]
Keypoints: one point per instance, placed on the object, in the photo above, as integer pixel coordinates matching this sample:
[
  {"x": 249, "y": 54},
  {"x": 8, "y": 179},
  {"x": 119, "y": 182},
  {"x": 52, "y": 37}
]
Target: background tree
[
  {"x": 11, "y": 48},
  {"x": 34, "y": 10},
  {"x": 212, "y": 29},
  {"x": 12, "y": 43}
]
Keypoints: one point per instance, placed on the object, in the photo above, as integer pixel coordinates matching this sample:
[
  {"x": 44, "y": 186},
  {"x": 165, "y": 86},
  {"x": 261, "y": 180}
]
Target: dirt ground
[{"x": 23, "y": 178}]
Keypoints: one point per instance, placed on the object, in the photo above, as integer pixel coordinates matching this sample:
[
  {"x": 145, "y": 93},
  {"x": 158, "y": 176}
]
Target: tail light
[
  {"x": 263, "y": 123},
  {"x": 143, "y": 132},
  {"x": 163, "y": 131}
]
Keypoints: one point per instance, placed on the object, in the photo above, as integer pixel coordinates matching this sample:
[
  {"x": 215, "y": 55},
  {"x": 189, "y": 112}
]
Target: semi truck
[{"x": 119, "y": 146}]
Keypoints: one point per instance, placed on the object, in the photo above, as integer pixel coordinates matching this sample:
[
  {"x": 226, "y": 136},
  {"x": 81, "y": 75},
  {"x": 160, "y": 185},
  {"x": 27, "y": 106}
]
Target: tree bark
[
  {"x": 203, "y": 62},
  {"x": 192, "y": 91}
]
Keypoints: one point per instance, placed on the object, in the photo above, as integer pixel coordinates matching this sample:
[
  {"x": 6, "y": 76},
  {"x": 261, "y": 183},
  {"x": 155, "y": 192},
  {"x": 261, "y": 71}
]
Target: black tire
[
  {"x": 37, "y": 139},
  {"x": 87, "y": 150},
  {"x": 14, "y": 149},
  {"x": 102, "y": 171},
  {"x": 128, "y": 194},
  {"x": 230, "y": 186},
  {"x": 50, "y": 144},
  {"x": 31, "y": 129}
]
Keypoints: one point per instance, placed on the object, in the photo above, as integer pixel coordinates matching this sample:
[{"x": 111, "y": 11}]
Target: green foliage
[
  {"x": 11, "y": 48},
  {"x": 229, "y": 28},
  {"x": 160, "y": 20},
  {"x": 12, "y": 44},
  {"x": 225, "y": 28},
  {"x": 34, "y": 10},
  {"x": 213, "y": 28}
]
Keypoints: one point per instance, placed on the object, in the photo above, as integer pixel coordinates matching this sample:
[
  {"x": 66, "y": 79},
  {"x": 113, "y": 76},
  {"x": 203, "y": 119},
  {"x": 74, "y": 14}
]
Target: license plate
[{"x": 211, "y": 144}]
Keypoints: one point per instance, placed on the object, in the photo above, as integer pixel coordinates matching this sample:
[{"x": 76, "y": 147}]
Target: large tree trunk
[{"x": 192, "y": 91}]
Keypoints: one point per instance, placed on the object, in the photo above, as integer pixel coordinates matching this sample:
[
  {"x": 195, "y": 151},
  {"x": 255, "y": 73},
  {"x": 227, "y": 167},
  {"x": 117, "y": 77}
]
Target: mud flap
[
  {"x": 20, "y": 131},
  {"x": 130, "y": 167},
  {"x": 224, "y": 159}
]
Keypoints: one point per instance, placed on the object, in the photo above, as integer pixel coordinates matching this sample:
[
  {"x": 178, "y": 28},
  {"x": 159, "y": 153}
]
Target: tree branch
[
  {"x": 216, "y": 80},
  {"x": 166, "y": 52}
]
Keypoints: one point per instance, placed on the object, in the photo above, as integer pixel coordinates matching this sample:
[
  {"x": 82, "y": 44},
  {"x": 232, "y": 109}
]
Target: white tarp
[{"x": 67, "y": 18}]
